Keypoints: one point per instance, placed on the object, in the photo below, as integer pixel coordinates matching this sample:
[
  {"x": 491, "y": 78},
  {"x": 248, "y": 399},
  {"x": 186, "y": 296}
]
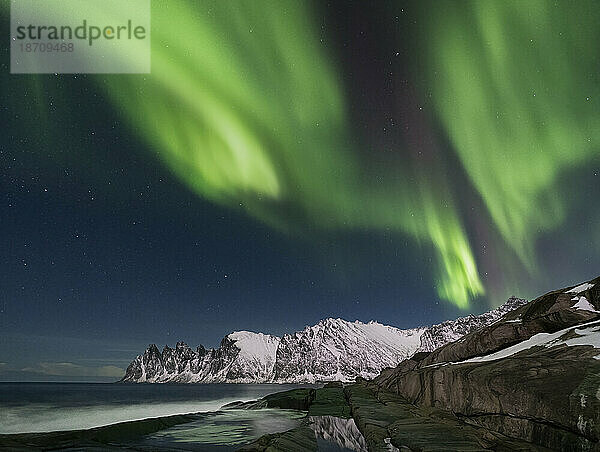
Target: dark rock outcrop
[
  {"x": 389, "y": 421},
  {"x": 532, "y": 375},
  {"x": 301, "y": 439},
  {"x": 363, "y": 417}
]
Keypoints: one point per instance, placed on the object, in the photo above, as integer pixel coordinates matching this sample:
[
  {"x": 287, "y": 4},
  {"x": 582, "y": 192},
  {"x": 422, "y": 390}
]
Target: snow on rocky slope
[
  {"x": 333, "y": 349},
  {"x": 451, "y": 330},
  {"x": 533, "y": 374},
  {"x": 256, "y": 359}
]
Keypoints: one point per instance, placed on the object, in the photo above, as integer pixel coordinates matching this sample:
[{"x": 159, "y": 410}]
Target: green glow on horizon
[{"x": 516, "y": 86}]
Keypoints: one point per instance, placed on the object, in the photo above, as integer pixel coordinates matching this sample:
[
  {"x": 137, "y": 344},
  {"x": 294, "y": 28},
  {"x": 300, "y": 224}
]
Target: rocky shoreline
[
  {"x": 383, "y": 419},
  {"x": 530, "y": 381}
]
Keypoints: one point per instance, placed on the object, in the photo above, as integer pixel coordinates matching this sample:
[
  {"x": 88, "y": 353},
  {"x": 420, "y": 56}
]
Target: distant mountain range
[{"x": 331, "y": 350}]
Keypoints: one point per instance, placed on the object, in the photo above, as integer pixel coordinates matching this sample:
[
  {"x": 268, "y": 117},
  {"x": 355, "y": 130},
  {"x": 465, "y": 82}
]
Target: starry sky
[{"x": 407, "y": 162}]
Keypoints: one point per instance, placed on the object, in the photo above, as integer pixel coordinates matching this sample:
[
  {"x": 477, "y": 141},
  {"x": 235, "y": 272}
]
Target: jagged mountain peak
[{"x": 330, "y": 321}]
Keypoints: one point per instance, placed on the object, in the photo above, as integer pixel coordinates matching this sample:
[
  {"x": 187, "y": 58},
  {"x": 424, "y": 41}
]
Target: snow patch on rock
[
  {"x": 584, "y": 305},
  {"x": 587, "y": 334},
  {"x": 580, "y": 288}
]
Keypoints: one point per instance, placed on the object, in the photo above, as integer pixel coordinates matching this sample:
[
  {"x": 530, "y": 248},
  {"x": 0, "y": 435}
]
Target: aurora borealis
[
  {"x": 256, "y": 115},
  {"x": 451, "y": 143},
  {"x": 521, "y": 82}
]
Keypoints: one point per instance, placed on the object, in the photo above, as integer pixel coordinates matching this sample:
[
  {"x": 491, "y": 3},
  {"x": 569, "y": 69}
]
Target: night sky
[{"x": 407, "y": 162}]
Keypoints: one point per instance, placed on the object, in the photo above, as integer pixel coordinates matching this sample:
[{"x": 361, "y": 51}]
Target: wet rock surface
[
  {"x": 110, "y": 437},
  {"x": 387, "y": 419},
  {"x": 329, "y": 402},
  {"x": 299, "y": 439},
  {"x": 378, "y": 420}
]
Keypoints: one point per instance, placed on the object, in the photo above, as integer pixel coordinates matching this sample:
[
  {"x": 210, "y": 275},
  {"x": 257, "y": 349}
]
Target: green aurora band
[
  {"x": 517, "y": 87},
  {"x": 245, "y": 106}
]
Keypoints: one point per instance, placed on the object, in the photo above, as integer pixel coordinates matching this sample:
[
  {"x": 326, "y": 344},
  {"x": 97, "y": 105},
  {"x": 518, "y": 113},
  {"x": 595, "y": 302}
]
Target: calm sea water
[{"x": 44, "y": 407}]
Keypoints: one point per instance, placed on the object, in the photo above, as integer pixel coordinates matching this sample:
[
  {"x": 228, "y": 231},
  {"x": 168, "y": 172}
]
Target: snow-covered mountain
[
  {"x": 242, "y": 357},
  {"x": 333, "y": 349}
]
